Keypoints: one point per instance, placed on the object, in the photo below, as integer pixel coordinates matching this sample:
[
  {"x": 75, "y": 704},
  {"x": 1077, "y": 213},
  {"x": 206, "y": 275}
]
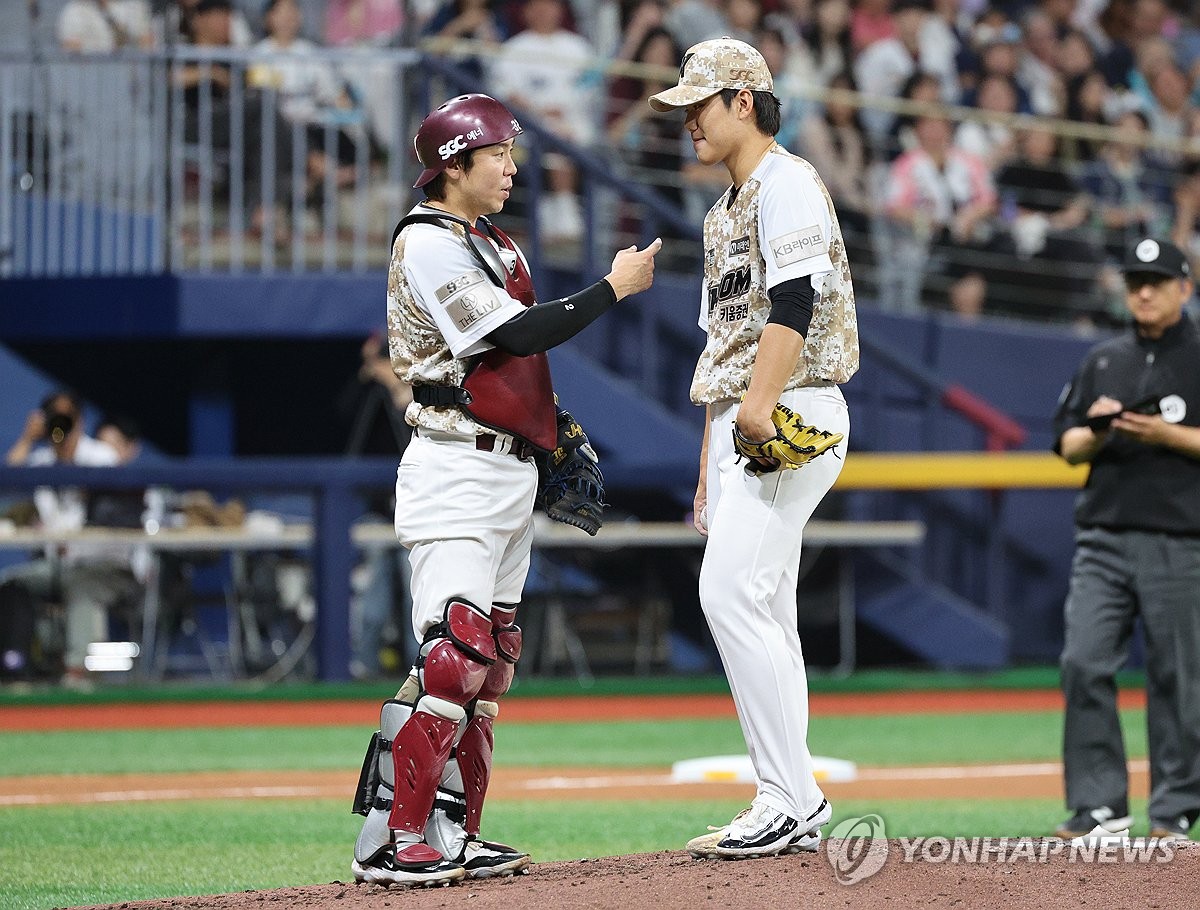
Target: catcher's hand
[
  {"x": 571, "y": 486},
  {"x": 794, "y": 444}
]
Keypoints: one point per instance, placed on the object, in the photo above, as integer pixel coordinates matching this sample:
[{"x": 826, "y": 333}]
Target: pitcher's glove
[
  {"x": 794, "y": 444},
  {"x": 571, "y": 487}
]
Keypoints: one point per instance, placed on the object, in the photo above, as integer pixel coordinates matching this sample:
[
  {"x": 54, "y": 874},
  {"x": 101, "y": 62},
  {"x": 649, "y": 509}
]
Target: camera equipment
[{"x": 59, "y": 426}]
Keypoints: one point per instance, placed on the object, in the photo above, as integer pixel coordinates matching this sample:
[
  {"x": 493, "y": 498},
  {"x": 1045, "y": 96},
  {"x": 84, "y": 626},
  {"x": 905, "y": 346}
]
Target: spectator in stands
[
  {"x": 1187, "y": 43},
  {"x": 467, "y": 20},
  {"x": 871, "y": 21},
  {"x": 312, "y": 96},
  {"x": 104, "y": 26},
  {"x": 1114, "y": 40},
  {"x": 1152, "y": 19},
  {"x": 1150, "y": 55},
  {"x": 1186, "y": 230},
  {"x": 884, "y": 67},
  {"x": 693, "y": 21},
  {"x": 1170, "y": 112},
  {"x": 649, "y": 146},
  {"x": 1000, "y": 55},
  {"x": 993, "y": 141},
  {"x": 834, "y": 141},
  {"x": 638, "y": 20},
  {"x": 923, "y": 89},
  {"x": 1076, "y": 56},
  {"x": 544, "y": 70},
  {"x": 122, "y": 435},
  {"x": 367, "y": 25},
  {"x": 1132, "y": 413},
  {"x": 211, "y": 87},
  {"x": 1043, "y": 208},
  {"x": 1038, "y": 70},
  {"x": 89, "y": 578},
  {"x": 943, "y": 40},
  {"x": 793, "y": 79},
  {"x": 829, "y": 40},
  {"x": 1088, "y": 101},
  {"x": 354, "y": 23},
  {"x": 174, "y": 25},
  {"x": 939, "y": 206},
  {"x": 795, "y": 19},
  {"x": 745, "y": 18},
  {"x": 1128, "y": 200}
]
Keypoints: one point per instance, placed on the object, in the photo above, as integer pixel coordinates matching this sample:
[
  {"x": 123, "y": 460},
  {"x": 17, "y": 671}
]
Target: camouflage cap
[{"x": 709, "y": 67}]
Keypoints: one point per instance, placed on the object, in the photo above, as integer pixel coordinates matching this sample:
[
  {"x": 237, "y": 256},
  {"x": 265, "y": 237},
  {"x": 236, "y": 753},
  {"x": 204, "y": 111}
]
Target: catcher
[
  {"x": 466, "y": 331},
  {"x": 778, "y": 309}
]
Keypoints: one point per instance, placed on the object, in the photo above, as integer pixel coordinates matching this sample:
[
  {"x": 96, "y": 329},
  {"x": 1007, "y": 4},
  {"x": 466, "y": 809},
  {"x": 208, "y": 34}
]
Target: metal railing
[{"x": 205, "y": 160}]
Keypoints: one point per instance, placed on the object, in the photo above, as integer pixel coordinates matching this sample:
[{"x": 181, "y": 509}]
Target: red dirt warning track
[{"x": 515, "y": 710}]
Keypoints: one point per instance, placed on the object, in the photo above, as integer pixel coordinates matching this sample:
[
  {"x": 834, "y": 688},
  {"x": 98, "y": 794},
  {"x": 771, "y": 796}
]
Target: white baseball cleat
[
  {"x": 764, "y": 831},
  {"x": 412, "y": 864},
  {"x": 488, "y": 859}
]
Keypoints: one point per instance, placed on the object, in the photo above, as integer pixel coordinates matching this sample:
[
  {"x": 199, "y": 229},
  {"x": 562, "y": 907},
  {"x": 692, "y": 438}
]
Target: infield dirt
[{"x": 673, "y": 881}]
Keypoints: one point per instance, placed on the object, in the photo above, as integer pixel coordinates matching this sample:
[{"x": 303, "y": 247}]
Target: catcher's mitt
[
  {"x": 794, "y": 444},
  {"x": 571, "y": 486}
]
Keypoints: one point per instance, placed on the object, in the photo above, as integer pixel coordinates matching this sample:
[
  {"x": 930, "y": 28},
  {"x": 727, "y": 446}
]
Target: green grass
[
  {"x": 121, "y": 852},
  {"x": 901, "y": 739},
  {"x": 135, "y": 852},
  {"x": 188, "y": 850},
  {"x": 542, "y": 686}
]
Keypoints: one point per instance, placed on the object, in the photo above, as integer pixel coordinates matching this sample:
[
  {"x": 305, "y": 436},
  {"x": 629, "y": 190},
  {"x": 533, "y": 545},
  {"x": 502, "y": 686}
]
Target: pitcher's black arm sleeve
[{"x": 792, "y": 304}]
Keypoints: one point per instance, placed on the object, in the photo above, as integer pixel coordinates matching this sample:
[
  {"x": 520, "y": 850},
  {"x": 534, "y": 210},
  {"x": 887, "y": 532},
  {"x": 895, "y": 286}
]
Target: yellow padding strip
[{"x": 958, "y": 470}]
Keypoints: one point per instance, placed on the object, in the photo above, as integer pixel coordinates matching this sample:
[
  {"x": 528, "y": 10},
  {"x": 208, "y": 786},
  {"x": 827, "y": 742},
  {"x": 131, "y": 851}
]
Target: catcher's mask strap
[{"x": 441, "y": 396}]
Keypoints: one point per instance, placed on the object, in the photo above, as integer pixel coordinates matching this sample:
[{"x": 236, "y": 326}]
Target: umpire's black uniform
[{"x": 1137, "y": 553}]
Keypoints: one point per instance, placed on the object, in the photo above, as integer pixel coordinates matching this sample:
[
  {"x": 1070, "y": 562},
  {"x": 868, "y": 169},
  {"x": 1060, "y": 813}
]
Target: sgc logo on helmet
[{"x": 453, "y": 147}]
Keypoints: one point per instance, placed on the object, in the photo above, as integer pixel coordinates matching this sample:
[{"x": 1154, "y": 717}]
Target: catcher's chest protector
[{"x": 510, "y": 393}]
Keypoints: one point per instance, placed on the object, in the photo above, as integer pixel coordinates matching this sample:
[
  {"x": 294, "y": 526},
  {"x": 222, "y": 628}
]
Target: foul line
[{"x": 562, "y": 783}]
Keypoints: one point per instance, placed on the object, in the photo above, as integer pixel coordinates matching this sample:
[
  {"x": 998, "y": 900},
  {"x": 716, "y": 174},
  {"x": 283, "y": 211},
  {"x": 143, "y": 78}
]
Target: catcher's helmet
[{"x": 465, "y": 122}]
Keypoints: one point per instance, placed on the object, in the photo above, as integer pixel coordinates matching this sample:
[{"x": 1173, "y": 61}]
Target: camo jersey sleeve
[{"x": 451, "y": 287}]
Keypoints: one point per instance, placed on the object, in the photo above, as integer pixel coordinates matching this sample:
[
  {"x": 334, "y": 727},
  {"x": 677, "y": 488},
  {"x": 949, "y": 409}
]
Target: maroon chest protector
[{"x": 511, "y": 394}]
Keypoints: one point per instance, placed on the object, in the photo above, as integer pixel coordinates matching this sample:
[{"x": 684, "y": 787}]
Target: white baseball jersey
[
  {"x": 779, "y": 225},
  {"x": 440, "y": 305}
]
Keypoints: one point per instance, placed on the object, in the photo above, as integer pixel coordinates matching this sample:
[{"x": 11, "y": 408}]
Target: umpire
[{"x": 1133, "y": 412}]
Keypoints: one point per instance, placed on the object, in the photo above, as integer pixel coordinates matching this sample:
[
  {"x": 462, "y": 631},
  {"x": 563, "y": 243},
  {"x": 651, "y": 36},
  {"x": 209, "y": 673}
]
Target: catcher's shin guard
[
  {"x": 459, "y": 806},
  {"x": 377, "y": 783},
  {"x": 456, "y": 659}
]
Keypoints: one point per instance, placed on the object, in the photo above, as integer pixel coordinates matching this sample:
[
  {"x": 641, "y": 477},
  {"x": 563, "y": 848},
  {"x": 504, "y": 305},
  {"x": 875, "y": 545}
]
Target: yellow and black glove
[{"x": 794, "y": 444}]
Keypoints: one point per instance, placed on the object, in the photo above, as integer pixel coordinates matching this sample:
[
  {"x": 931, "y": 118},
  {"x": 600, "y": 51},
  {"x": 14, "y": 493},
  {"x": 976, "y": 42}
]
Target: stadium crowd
[{"x": 983, "y": 214}]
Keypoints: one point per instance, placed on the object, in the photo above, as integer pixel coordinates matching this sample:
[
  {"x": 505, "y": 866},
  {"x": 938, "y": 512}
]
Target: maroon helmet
[{"x": 465, "y": 122}]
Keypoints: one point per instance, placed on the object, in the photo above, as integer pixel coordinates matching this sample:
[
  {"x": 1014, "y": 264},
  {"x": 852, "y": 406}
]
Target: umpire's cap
[
  {"x": 709, "y": 67},
  {"x": 465, "y": 122},
  {"x": 1157, "y": 257}
]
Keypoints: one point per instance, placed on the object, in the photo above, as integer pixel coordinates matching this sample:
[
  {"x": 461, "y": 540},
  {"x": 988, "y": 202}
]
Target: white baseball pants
[
  {"x": 748, "y": 593},
  {"x": 467, "y": 518}
]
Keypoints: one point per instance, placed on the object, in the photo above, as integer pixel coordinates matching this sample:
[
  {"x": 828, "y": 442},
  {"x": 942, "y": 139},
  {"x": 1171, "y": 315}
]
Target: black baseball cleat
[
  {"x": 1171, "y": 829},
  {"x": 764, "y": 831},
  {"x": 1085, "y": 821},
  {"x": 488, "y": 859},
  {"x": 407, "y": 865}
]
